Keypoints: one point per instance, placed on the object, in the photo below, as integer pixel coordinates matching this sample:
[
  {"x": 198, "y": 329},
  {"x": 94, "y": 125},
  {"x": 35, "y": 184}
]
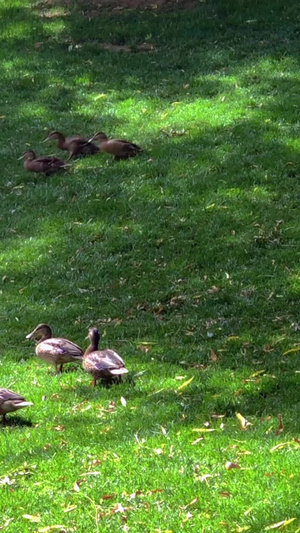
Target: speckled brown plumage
[
  {"x": 74, "y": 144},
  {"x": 120, "y": 148},
  {"x": 54, "y": 350},
  {"x": 11, "y": 401},
  {"x": 42, "y": 164},
  {"x": 106, "y": 364}
]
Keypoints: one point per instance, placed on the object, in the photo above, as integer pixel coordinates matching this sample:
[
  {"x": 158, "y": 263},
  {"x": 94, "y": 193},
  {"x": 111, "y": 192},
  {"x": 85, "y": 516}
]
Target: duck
[
  {"x": 106, "y": 364},
  {"x": 42, "y": 164},
  {"x": 57, "y": 351},
  {"x": 121, "y": 149},
  {"x": 11, "y": 401},
  {"x": 74, "y": 144}
]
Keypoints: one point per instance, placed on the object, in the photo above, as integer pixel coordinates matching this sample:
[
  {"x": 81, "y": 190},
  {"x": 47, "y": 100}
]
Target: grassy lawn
[{"x": 186, "y": 258}]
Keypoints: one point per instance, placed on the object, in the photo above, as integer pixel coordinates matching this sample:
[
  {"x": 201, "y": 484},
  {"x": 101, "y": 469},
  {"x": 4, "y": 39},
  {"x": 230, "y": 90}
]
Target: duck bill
[
  {"x": 21, "y": 157},
  {"x": 30, "y": 335},
  {"x": 45, "y": 140}
]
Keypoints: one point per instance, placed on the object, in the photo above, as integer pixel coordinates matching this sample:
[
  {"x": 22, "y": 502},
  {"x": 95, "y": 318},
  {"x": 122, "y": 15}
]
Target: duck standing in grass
[
  {"x": 121, "y": 149},
  {"x": 11, "y": 401},
  {"x": 102, "y": 364},
  {"x": 74, "y": 144},
  {"x": 42, "y": 164},
  {"x": 57, "y": 351}
]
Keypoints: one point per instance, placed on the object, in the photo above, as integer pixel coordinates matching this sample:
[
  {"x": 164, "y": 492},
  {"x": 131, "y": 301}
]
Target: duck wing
[
  {"x": 9, "y": 395},
  {"x": 59, "y": 346},
  {"x": 104, "y": 360}
]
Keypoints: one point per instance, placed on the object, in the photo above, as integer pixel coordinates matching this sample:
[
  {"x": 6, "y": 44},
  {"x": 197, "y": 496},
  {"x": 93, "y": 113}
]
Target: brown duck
[
  {"x": 102, "y": 364},
  {"x": 53, "y": 350},
  {"x": 121, "y": 149},
  {"x": 74, "y": 144},
  {"x": 42, "y": 164},
  {"x": 11, "y": 401}
]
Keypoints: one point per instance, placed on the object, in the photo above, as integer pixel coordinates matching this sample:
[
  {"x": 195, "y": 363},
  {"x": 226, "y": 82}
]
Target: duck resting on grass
[
  {"x": 11, "y": 401},
  {"x": 54, "y": 350},
  {"x": 74, "y": 144},
  {"x": 42, "y": 164},
  {"x": 121, "y": 149},
  {"x": 106, "y": 365}
]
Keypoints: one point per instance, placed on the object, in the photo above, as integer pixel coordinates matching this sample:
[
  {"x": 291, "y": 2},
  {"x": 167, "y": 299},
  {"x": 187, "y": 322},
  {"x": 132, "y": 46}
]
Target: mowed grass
[{"x": 186, "y": 258}]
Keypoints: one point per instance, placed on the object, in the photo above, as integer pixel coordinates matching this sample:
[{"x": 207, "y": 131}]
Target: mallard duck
[
  {"x": 121, "y": 149},
  {"x": 102, "y": 364},
  {"x": 74, "y": 144},
  {"x": 11, "y": 401},
  {"x": 57, "y": 351},
  {"x": 42, "y": 164}
]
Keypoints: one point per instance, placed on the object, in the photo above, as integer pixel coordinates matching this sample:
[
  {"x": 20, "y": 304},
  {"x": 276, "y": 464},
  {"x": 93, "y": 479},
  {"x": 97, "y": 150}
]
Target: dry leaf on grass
[
  {"x": 123, "y": 401},
  {"x": 229, "y": 465},
  {"x": 225, "y": 494},
  {"x": 280, "y": 427},
  {"x": 185, "y": 384},
  {"x": 243, "y": 421},
  {"x": 281, "y": 524},
  {"x": 214, "y": 357},
  {"x": 196, "y": 441},
  {"x": 32, "y": 518}
]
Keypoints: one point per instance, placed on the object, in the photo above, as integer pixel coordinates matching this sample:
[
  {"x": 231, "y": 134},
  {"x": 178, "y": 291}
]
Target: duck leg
[
  {"x": 3, "y": 420},
  {"x": 57, "y": 370},
  {"x": 94, "y": 382}
]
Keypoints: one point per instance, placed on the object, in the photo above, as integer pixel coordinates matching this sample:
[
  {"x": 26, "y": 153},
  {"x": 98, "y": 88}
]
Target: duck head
[
  {"x": 99, "y": 137},
  {"x": 54, "y": 135},
  {"x": 41, "y": 332},
  {"x": 94, "y": 337},
  {"x": 29, "y": 155}
]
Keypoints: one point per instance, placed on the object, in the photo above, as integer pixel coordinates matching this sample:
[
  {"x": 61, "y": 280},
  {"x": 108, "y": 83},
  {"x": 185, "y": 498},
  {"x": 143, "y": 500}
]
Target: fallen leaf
[
  {"x": 7, "y": 522},
  {"x": 281, "y": 524},
  {"x": 59, "y": 428},
  {"x": 144, "y": 349},
  {"x": 257, "y": 373},
  {"x": 243, "y": 421},
  {"x": 229, "y": 465},
  {"x": 204, "y": 477},
  {"x": 76, "y": 487},
  {"x": 225, "y": 494},
  {"x": 292, "y": 350},
  {"x": 197, "y": 440},
  {"x": 185, "y": 384},
  {"x": 108, "y": 496},
  {"x": 32, "y": 518},
  {"x": 213, "y": 357},
  {"x": 214, "y": 415},
  {"x": 195, "y": 500},
  {"x": 123, "y": 401},
  {"x": 69, "y": 509},
  {"x": 280, "y": 427},
  {"x": 203, "y": 430}
]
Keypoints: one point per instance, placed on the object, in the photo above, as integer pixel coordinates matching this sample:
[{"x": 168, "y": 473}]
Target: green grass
[{"x": 192, "y": 247}]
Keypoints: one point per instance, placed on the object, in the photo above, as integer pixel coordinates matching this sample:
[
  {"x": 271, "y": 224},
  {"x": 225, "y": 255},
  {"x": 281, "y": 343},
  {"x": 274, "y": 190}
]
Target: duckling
[
  {"x": 43, "y": 164},
  {"x": 57, "y": 351},
  {"x": 11, "y": 401},
  {"x": 102, "y": 364},
  {"x": 121, "y": 149},
  {"x": 74, "y": 144}
]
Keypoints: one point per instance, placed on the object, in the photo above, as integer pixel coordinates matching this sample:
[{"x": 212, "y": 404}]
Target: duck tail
[{"x": 119, "y": 371}]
